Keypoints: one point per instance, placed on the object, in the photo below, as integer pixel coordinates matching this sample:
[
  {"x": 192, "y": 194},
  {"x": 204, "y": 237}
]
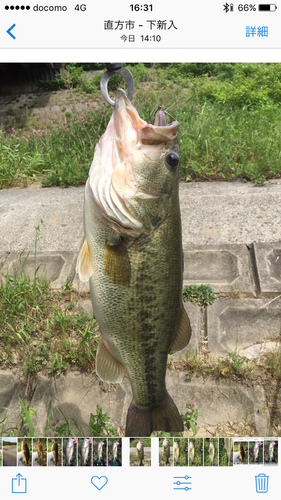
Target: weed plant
[{"x": 199, "y": 294}]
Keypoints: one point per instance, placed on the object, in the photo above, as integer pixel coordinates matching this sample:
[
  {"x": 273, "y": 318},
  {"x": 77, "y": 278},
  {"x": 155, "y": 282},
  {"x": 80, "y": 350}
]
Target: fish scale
[
  {"x": 146, "y": 319},
  {"x": 136, "y": 272}
]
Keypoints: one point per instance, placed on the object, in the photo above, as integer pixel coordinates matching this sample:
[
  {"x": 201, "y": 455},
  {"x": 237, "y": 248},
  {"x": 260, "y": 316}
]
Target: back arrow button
[{"x": 9, "y": 31}]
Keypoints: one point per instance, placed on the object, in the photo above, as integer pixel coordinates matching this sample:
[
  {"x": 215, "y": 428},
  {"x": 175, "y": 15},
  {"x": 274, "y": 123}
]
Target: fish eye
[{"x": 172, "y": 159}]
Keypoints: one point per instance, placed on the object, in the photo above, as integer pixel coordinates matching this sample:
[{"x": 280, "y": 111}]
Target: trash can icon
[{"x": 261, "y": 483}]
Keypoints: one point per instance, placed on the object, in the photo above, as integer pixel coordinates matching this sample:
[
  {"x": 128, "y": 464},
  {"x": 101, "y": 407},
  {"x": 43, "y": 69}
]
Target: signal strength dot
[{"x": 17, "y": 7}]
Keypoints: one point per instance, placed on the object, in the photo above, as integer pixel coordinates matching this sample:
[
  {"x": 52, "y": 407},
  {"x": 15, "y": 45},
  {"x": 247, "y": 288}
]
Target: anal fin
[
  {"x": 183, "y": 331},
  {"x": 107, "y": 367}
]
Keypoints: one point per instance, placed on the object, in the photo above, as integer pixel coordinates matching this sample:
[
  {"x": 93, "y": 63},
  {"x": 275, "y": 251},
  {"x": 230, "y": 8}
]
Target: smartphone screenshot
[{"x": 140, "y": 249}]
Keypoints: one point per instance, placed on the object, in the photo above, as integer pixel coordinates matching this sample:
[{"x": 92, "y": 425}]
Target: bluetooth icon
[{"x": 228, "y": 7}]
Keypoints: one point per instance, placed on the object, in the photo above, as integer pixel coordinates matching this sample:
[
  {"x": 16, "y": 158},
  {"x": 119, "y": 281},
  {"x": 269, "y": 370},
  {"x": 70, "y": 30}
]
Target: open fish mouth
[{"x": 126, "y": 145}]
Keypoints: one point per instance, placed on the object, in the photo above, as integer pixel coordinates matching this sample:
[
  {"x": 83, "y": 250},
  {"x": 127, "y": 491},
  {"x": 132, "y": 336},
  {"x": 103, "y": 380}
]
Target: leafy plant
[
  {"x": 190, "y": 417},
  {"x": 199, "y": 294},
  {"x": 238, "y": 361},
  {"x": 99, "y": 423}
]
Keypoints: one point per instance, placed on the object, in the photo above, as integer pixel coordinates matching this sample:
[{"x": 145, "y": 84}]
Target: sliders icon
[{"x": 180, "y": 483}]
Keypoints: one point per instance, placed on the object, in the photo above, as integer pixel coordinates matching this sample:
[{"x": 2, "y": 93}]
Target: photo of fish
[
  {"x": 180, "y": 452},
  {"x": 115, "y": 452},
  {"x": 132, "y": 245},
  {"x": 225, "y": 452},
  {"x": 195, "y": 452},
  {"x": 100, "y": 452},
  {"x": 165, "y": 452},
  {"x": 84, "y": 452},
  {"x": 70, "y": 452},
  {"x": 210, "y": 452},
  {"x": 240, "y": 452},
  {"x": 256, "y": 452},
  {"x": 140, "y": 452},
  {"x": 25, "y": 452},
  {"x": 39, "y": 452},
  {"x": 271, "y": 452},
  {"x": 54, "y": 456},
  {"x": 137, "y": 254}
]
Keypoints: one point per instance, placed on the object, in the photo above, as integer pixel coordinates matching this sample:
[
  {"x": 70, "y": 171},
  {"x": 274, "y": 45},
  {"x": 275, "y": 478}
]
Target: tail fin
[{"x": 143, "y": 421}]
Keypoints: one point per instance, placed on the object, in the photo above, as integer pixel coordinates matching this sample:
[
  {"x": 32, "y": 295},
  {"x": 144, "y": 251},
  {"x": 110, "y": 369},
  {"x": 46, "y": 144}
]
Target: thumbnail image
[
  {"x": 70, "y": 452},
  {"x": 256, "y": 452},
  {"x": 211, "y": 452},
  {"x": 1, "y": 452},
  {"x": 195, "y": 452},
  {"x": 39, "y": 452},
  {"x": 100, "y": 452},
  {"x": 271, "y": 452},
  {"x": 165, "y": 451},
  {"x": 24, "y": 452},
  {"x": 180, "y": 451},
  {"x": 84, "y": 451},
  {"x": 140, "y": 452},
  {"x": 240, "y": 452},
  {"x": 54, "y": 452},
  {"x": 10, "y": 451},
  {"x": 226, "y": 452},
  {"x": 115, "y": 452}
]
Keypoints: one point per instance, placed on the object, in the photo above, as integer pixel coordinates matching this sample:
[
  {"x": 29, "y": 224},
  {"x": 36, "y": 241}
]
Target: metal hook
[{"x": 127, "y": 75}]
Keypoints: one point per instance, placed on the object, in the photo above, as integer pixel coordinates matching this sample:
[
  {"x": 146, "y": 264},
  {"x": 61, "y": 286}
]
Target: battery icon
[{"x": 267, "y": 7}]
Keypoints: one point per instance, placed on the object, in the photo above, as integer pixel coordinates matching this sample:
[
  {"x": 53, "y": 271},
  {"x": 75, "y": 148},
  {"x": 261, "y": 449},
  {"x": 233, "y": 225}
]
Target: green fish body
[{"x": 132, "y": 254}]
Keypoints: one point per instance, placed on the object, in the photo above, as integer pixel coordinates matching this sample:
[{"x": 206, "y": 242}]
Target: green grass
[
  {"x": 232, "y": 366},
  {"x": 41, "y": 329},
  {"x": 229, "y": 115}
]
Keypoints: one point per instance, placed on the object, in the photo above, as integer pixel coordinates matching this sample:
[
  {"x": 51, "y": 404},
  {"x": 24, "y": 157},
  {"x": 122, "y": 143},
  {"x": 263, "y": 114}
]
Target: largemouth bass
[
  {"x": 132, "y": 254},
  {"x": 70, "y": 450},
  {"x": 191, "y": 453},
  {"x": 115, "y": 451},
  {"x": 55, "y": 451},
  {"x": 256, "y": 450},
  {"x": 228, "y": 446},
  {"x": 100, "y": 451},
  {"x": 241, "y": 453},
  {"x": 85, "y": 450},
  {"x": 212, "y": 452},
  {"x": 271, "y": 451},
  {"x": 140, "y": 451},
  {"x": 25, "y": 452},
  {"x": 40, "y": 452},
  {"x": 166, "y": 450},
  {"x": 176, "y": 452}
]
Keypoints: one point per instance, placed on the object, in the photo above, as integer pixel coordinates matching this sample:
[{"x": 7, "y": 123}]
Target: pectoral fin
[
  {"x": 107, "y": 367},
  {"x": 84, "y": 265},
  {"x": 117, "y": 266},
  {"x": 183, "y": 331}
]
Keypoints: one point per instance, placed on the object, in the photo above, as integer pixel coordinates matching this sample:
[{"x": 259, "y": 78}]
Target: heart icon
[{"x": 99, "y": 482}]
